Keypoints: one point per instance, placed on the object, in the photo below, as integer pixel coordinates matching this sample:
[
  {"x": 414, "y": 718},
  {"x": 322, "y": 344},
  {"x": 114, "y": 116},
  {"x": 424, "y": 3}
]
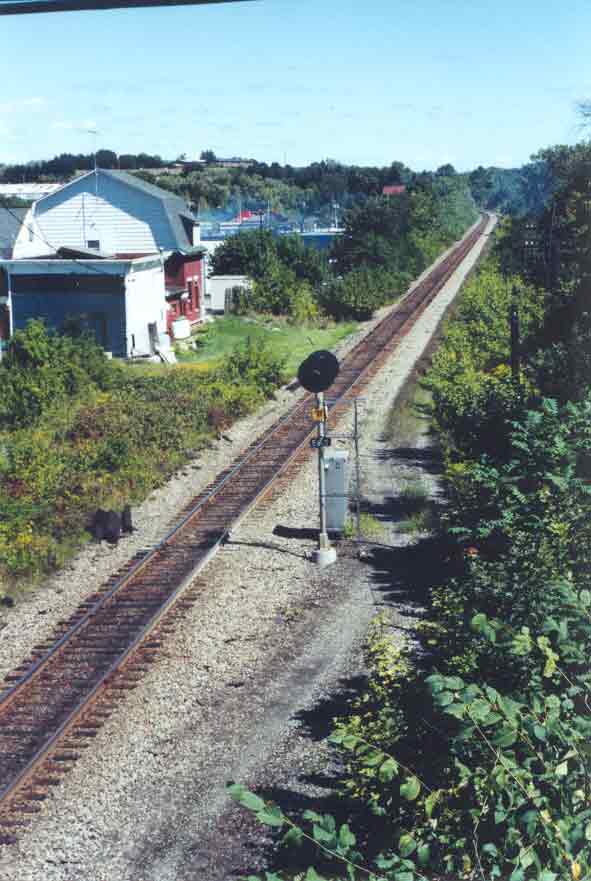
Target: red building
[
  {"x": 183, "y": 275},
  {"x": 396, "y": 190}
]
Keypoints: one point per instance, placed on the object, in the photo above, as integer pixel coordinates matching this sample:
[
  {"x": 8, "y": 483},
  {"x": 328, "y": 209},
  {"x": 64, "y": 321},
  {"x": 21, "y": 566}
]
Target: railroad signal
[
  {"x": 320, "y": 414},
  {"x": 317, "y": 373}
]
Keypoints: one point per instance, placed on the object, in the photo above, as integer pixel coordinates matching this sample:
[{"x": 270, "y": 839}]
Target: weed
[
  {"x": 369, "y": 527},
  {"x": 408, "y": 418}
]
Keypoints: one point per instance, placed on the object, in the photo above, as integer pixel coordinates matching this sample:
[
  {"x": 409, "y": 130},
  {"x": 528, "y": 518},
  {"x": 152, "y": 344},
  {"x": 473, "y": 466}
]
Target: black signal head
[{"x": 318, "y": 371}]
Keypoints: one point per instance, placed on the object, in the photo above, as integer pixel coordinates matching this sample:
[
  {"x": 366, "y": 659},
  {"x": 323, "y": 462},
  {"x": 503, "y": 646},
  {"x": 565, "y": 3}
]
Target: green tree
[
  {"x": 373, "y": 234},
  {"x": 127, "y": 161},
  {"x": 446, "y": 171},
  {"x": 247, "y": 253},
  {"x": 106, "y": 159}
]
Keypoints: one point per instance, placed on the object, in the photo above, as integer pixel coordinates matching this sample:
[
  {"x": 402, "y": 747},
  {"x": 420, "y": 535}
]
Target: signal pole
[
  {"x": 317, "y": 373},
  {"x": 324, "y": 554}
]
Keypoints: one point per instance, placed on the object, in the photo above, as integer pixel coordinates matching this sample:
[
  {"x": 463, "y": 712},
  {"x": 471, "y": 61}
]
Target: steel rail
[
  {"x": 8, "y": 694},
  {"x": 390, "y": 327},
  {"x": 213, "y": 489}
]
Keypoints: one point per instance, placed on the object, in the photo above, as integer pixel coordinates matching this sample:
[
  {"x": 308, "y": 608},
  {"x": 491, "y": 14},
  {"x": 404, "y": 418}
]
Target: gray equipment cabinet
[{"x": 337, "y": 504}]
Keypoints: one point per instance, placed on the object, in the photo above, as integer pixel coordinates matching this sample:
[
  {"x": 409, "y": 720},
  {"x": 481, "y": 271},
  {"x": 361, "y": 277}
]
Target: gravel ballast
[{"x": 269, "y": 637}]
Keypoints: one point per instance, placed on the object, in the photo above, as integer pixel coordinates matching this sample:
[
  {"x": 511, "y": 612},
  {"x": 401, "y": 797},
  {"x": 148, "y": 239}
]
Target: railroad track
[{"x": 55, "y": 702}]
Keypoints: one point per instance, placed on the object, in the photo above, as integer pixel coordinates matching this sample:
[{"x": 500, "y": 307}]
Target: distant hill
[{"x": 232, "y": 185}]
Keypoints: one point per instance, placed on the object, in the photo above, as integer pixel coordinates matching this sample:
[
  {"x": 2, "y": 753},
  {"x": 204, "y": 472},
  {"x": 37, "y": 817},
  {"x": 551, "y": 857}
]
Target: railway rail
[{"x": 57, "y": 700}]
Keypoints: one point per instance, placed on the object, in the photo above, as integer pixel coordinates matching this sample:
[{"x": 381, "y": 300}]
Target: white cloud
[
  {"x": 87, "y": 125},
  {"x": 34, "y": 103}
]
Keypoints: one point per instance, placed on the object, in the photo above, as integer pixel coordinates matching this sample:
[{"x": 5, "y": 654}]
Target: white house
[
  {"x": 123, "y": 302},
  {"x": 112, "y": 212},
  {"x": 118, "y": 217}
]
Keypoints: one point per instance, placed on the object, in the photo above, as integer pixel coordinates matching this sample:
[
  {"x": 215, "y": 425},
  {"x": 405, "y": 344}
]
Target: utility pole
[{"x": 514, "y": 325}]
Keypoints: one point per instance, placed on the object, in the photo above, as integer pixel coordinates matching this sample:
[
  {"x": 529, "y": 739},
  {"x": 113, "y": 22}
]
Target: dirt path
[{"x": 243, "y": 689}]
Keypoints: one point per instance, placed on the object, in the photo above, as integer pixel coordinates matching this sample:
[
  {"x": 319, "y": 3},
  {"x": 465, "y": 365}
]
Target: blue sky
[{"x": 421, "y": 81}]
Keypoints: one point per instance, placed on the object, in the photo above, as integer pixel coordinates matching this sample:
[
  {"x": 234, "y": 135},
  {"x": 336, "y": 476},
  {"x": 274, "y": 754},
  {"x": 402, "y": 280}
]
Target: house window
[
  {"x": 190, "y": 292},
  {"x": 93, "y": 244}
]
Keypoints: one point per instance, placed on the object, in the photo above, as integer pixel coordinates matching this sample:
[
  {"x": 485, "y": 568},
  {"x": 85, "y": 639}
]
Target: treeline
[
  {"x": 65, "y": 166},
  {"x": 468, "y": 755},
  {"x": 515, "y": 191},
  {"x": 297, "y": 192},
  {"x": 308, "y": 191},
  {"x": 311, "y": 191},
  {"x": 387, "y": 242}
]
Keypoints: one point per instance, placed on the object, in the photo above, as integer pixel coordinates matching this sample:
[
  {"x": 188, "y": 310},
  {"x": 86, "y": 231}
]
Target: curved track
[{"x": 56, "y": 701}]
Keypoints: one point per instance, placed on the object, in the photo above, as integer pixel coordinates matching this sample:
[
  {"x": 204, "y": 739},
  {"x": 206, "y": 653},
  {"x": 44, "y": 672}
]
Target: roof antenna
[{"x": 95, "y": 132}]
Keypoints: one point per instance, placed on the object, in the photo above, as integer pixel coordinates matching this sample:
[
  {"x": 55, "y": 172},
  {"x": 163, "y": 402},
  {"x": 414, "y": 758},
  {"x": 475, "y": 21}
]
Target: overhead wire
[{"x": 28, "y": 7}]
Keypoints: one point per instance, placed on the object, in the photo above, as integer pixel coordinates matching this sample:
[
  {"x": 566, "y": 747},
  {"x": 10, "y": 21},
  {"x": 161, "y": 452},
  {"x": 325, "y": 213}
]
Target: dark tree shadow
[
  {"x": 427, "y": 459},
  {"x": 404, "y": 577}
]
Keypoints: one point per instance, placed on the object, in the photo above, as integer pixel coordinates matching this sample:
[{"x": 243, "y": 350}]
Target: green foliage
[
  {"x": 103, "y": 438},
  {"x": 517, "y": 191},
  {"x": 473, "y": 756},
  {"x": 256, "y": 365},
  {"x": 474, "y": 396},
  {"x": 41, "y": 368},
  {"x": 308, "y": 264},
  {"x": 390, "y": 240},
  {"x": 360, "y": 292},
  {"x": 283, "y": 269},
  {"x": 244, "y": 254},
  {"x": 403, "y": 234}
]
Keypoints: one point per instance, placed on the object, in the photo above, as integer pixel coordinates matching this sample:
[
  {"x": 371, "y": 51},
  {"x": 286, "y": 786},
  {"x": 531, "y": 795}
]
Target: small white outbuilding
[
  {"x": 221, "y": 290},
  {"x": 122, "y": 302}
]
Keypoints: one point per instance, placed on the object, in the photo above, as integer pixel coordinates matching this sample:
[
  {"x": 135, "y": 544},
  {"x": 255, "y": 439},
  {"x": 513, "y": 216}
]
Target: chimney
[{"x": 196, "y": 233}]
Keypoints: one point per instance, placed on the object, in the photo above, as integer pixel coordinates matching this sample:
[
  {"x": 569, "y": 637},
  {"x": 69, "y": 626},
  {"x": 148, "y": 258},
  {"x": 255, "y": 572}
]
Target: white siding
[
  {"x": 98, "y": 208},
  {"x": 28, "y": 242},
  {"x": 217, "y": 285},
  {"x": 145, "y": 303}
]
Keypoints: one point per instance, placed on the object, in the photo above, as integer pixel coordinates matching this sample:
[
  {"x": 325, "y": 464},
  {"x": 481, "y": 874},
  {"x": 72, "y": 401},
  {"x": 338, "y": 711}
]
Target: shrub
[
  {"x": 106, "y": 448},
  {"x": 475, "y": 399},
  {"x": 359, "y": 293},
  {"x": 42, "y": 368},
  {"x": 256, "y": 365}
]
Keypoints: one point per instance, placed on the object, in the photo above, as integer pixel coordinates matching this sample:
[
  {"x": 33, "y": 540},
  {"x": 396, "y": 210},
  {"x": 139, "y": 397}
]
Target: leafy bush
[
  {"x": 472, "y": 753},
  {"x": 359, "y": 293},
  {"x": 475, "y": 399},
  {"x": 254, "y": 364},
  {"x": 94, "y": 448},
  {"x": 42, "y": 368}
]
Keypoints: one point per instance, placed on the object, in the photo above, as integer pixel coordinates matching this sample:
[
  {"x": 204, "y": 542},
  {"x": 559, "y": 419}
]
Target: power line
[{"x": 28, "y": 7}]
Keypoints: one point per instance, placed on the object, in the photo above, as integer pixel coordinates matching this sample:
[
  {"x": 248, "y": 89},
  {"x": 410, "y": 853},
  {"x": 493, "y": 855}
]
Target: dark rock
[
  {"x": 126, "y": 520},
  {"x": 106, "y": 525}
]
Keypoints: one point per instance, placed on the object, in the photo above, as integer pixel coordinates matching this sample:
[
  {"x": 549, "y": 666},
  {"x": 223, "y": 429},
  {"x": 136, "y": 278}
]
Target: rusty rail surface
[{"x": 56, "y": 701}]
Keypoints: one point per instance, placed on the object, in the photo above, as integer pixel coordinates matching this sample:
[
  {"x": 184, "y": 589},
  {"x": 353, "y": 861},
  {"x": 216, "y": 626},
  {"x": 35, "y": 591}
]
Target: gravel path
[{"x": 271, "y": 637}]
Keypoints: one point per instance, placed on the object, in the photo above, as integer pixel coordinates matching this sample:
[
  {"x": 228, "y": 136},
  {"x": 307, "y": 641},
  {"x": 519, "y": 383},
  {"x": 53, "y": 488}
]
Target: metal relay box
[{"x": 337, "y": 503}]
